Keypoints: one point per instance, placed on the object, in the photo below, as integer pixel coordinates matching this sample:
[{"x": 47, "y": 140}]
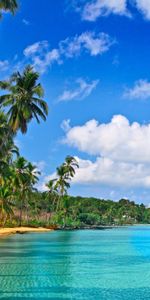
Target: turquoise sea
[{"x": 86, "y": 264}]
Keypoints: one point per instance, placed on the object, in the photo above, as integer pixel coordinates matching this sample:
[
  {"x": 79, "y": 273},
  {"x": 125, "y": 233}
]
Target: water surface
[{"x": 91, "y": 264}]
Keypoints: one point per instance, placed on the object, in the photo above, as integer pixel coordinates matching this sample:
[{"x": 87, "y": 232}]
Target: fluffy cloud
[
  {"x": 140, "y": 90},
  {"x": 97, "y": 8},
  {"x": 83, "y": 90},
  {"x": 121, "y": 152},
  {"x": 42, "y": 56},
  {"x": 105, "y": 171},
  {"x": 118, "y": 140}
]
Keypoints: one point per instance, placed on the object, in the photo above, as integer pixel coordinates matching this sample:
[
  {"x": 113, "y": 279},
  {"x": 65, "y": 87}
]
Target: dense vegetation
[{"x": 79, "y": 212}]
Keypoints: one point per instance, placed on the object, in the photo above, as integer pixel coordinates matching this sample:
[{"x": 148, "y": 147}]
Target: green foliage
[
  {"x": 24, "y": 99},
  {"x": 98, "y": 212},
  {"x": 90, "y": 218}
]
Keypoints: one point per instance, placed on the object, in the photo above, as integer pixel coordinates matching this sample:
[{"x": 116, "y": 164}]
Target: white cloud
[
  {"x": 140, "y": 90},
  {"x": 105, "y": 171},
  {"x": 94, "y": 44},
  {"x": 4, "y": 65},
  {"x": 121, "y": 150},
  {"x": 42, "y": 56},
  {"x": 144, "y": 7},
  {"x": 94, "y": 9},
  {"x": 83, "y": 90},
  {"x": 118, "y": 140}
]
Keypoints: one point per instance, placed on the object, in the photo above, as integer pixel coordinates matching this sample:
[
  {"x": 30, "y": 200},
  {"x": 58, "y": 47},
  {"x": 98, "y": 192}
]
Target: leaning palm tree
[
  {"x": 24, "y": 99},
  {"x": 8, "y": 5}
]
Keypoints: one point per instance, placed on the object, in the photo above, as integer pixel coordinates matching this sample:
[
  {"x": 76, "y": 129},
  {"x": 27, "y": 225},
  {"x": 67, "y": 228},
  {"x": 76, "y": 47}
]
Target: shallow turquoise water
[{"x": 99, "y": 265}]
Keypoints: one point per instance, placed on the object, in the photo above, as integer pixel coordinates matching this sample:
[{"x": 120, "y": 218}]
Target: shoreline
[{"x": 21, "y": 230}]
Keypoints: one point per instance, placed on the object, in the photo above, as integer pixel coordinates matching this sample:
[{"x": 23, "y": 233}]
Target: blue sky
[{"x": 93, "y": 59}]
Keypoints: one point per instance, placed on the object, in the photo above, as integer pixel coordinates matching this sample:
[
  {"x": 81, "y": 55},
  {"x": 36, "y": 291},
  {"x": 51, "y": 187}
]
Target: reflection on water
[{"x": 99, "y": 265}]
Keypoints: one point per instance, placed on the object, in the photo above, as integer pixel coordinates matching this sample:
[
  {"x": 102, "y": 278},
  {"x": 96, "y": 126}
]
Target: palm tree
[
  {"x": 51, "y": 186},
  {"x": 63, "y": 177},
  {"x": 32, "y": 179},
  {"x": 24, "y": 177},
  {"x": 32, "y": 174},
  {"x": 8, "y": 5},
  {"x": 52, "y": 191},
  {"x": 5, "y": 135},
  {"x": 7, "y": 146},
  {"x": 24, "y": 100},
  {"x": 70, "y": 165}
]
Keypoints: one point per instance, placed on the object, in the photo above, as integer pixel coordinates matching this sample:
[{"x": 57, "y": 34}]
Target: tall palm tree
[
  {"x": 64, "y": 174},
  {"x": 62, "y": 183},
  {"x": 24, "y": 177},
  {"x": 8, "y": 5},
  {"x": 24, "y": 99},
  {"x": 32, "y": 179},
  {"x": 52, "y": 191}
]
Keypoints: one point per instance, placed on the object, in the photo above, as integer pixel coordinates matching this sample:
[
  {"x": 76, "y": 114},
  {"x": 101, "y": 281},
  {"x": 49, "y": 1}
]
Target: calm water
[{"x": 100, "y": 265}]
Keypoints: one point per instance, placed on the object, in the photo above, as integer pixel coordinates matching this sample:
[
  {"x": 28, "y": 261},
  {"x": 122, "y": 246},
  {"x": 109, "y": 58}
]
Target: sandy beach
[{"x": 8, "y": 231}]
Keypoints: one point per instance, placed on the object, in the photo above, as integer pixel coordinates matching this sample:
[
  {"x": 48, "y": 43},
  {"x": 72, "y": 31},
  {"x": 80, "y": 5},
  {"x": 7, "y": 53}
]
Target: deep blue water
[{"x": 91, "y": 264}]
